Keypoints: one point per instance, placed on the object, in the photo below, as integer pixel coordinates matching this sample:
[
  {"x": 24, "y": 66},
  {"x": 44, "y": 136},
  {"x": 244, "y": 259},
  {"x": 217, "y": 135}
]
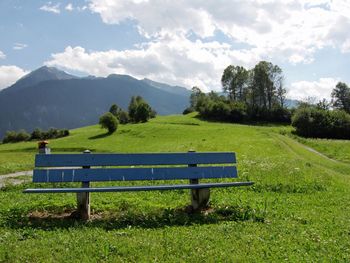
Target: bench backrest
[{"x": 190, "y": 171}]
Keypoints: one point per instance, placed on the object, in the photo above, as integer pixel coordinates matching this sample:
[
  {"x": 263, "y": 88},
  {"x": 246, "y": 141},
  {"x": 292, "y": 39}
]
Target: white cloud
[
  {"x": 320, "y": 89},
  {"x": 9, "y": 75},
  {"x": 69, "y": 7},
  {"x": 172, "y": 60},
  {"x": 2, "y": 55},
  {"x": 50, "y": 7},
  {"x": 19, "y": 46},
  {"x": 291, "y": 30}
]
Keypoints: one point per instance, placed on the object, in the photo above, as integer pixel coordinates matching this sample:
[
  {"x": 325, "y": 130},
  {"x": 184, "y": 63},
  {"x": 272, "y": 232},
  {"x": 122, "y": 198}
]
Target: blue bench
[{"x": 59, "y": 168}]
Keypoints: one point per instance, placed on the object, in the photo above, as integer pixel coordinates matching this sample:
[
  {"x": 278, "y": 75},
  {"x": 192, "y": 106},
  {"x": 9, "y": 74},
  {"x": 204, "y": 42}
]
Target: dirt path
[{"x": 15, "y": 178}]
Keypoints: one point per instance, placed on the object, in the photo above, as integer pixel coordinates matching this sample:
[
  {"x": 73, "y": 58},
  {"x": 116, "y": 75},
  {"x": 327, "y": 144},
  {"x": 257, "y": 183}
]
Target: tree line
[
  {"x": 256, "y": 94},
  {"x": 37, "y": 134},
  {"x": 138, "y": 111},
  {"x": 325, "y": 119}
]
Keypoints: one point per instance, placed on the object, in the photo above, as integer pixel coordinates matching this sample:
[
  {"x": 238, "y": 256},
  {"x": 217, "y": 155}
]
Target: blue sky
[{"x": 180, "y": 42}]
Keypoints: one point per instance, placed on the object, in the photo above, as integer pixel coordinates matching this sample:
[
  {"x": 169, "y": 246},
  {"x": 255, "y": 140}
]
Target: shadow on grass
[
  {"x": 100, "y": 136},
  {"x": 27, "y": 149},
  {"x": 248, "y": 123},
  {"x": 46, "y": 220}
]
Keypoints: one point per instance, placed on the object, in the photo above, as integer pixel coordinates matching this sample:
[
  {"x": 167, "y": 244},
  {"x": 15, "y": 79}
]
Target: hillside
[
  {"x": 48, "y": 98},
  {"x": 296, "y": 211}
]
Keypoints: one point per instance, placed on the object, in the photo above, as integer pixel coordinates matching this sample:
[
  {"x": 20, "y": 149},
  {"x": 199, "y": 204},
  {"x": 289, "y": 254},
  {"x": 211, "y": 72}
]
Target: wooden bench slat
[
  {"x": 132, "y": 174},
  {"x": 72, "y": 160},
  {"x": 136, "y": 188}
]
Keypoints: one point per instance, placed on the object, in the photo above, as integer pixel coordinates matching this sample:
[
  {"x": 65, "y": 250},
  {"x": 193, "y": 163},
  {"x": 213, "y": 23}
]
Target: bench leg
[
  {"x": 83, "y": 203},
  {"x": 199, "y": 197}
]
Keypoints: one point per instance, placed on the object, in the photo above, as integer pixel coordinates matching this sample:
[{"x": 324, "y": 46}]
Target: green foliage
[
  {"x": 12, "y": 136},
  {"x": 121, "y": 115},
  {"x": 188, "y": 110},
  {"x": 319, "y": 123},
  {"x": 37, "y": 134},
  {"x": 115, "y": 110},
  {"x": 109, "y": 121},
  {"x": 124, "y": 117},
  {"x": 52, "y": 133},
  {"x": 253, "y": 95},
  {"x": 341, "y": 97},
  {"x": 140, "y": 110},
  {"x": 220, "y": 108}
]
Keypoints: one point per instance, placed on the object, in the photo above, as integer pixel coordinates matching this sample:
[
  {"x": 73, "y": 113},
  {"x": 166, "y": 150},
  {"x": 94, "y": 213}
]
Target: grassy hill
[{"x": 298, "y": 209}]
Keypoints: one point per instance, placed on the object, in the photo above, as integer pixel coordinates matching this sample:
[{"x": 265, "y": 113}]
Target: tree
[
  {"x": 234, "y": 81},
  {"x": 341, "y": 97},
  {"x": 124, "y": 117},
  {"x": 195, "y": 97},
  {"x": 281, "y": 94},
  {"x": 115, "y": 110},
  {"x": 109, "y": 121},
  {"x": 323, "y": 104},
  {"x": 143, "y": 112},
  {"x": 140, "y": 110}
]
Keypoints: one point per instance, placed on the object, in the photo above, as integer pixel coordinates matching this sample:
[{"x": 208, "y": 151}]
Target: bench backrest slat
[
  {"x": 131, "y": 174},
  {"x": 73, "y": 160}
]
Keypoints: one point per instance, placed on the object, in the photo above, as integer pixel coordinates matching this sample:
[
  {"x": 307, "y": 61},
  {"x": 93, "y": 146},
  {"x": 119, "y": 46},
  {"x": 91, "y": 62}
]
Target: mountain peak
[{"x": 43, "y": 73}]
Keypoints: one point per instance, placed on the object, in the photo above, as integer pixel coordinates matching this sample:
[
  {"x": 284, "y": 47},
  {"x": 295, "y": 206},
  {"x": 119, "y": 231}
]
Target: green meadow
[{"x": 297, "y": 210}]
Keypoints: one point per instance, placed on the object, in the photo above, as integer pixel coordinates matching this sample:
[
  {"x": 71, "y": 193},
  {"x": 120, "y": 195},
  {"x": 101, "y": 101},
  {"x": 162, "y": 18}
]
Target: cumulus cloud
[
  {"x": 50, "y": 7},
  {"x": 69, "y": 7},
  {"x": 320, "y": 89},
  {"x": 9, "y": 75},
  {"x": 288, "y": 29},
  {"x": 173, "y": 60},
  {"x": 19, "y": 46},
  {"x": 2, "y": 55}
]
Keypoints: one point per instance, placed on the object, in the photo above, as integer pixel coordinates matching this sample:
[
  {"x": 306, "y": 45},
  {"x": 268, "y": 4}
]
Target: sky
[{"x": 187, "y": 43}]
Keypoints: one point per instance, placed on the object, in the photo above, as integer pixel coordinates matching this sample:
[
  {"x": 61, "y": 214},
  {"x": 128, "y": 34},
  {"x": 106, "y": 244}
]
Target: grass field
[
  {"x": 335, "y": 149},
  {"x": 298, "y": 210}
]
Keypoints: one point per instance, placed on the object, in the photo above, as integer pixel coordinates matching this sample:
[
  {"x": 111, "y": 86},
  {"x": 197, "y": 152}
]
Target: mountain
[
  {"x": 172, "y": 89},
  {"x": 39, "y": 75},
  {"x": 291, "y": 103},
  {"x": 48, "y": 97}
]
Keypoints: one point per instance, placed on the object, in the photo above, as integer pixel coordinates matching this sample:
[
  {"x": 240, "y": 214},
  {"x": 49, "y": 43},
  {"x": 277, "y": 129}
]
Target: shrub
[
  {"x": 12, "y": 136},
  {"x": 318, "y": 123},
  {"x": 109, "y": 122},
  {"x": 188, "y": 110},
  {"x": 238, "y": 112},
  {"x": 143, "y": 112},
  {"x": 140, "y": 110},
  {"x": 37, "y": 134},
  {"x": 124, "y": 117}
]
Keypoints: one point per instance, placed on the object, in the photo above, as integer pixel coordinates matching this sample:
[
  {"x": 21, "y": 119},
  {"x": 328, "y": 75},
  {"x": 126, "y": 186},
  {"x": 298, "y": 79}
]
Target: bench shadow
[{"x": 124, "y": 219}]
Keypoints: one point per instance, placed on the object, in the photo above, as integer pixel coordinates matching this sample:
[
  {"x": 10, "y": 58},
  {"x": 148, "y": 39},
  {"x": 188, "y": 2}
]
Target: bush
[
  {"x": 109, "y": 122},
  {"x": 124, "y": 117},
  {"x": 143, "y": 112},
  {"x": 140, "y": 110},
  {"x": 12, "y": 136},
  {"x": 37, "y": 134},
  {"x": 318, "y": 123},
  {"x": 188, "y": 110},
  {"x": 238, "y": 112}
]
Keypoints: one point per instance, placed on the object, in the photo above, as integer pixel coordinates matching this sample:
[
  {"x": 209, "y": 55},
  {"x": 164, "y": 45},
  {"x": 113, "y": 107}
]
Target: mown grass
[
  {"x": 335, "y": 149},
  {"x": 298, "y": 210}
]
